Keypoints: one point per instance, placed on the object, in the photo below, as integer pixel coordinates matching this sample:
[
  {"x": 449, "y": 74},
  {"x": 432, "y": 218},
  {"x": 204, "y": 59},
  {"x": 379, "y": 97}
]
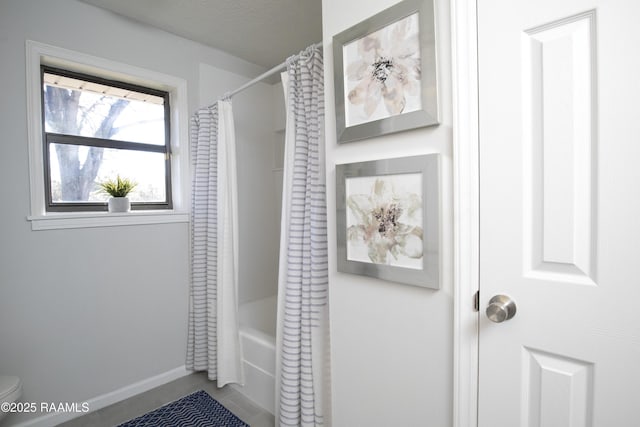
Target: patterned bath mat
[{"x": 195, "y": 410}]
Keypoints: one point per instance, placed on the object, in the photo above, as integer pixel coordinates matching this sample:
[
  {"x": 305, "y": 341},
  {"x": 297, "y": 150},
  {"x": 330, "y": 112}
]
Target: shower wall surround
[{"x": 258, "y": 203}]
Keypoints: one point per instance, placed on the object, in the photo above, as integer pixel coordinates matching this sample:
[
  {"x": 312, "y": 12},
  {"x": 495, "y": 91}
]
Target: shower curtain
[
  {"x": 213, "y": 339},
  {"x": 302, "y": 368}
]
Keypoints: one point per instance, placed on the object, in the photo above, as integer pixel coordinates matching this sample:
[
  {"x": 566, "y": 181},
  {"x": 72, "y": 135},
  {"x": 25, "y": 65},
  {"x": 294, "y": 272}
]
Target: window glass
[
  {"x": 147, "y": 169},
  {"x": 77, "y": 107}
]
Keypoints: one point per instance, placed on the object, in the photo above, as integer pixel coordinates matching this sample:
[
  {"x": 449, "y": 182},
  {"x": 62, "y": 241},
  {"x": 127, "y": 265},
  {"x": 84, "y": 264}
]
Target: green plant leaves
[{"x": 118, "y": 187}]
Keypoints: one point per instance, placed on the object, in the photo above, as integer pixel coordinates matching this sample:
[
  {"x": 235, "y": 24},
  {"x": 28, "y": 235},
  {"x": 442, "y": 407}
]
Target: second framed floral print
[
  {"x": 385, "y": 72},
  {"x": 388, "y": 219}
]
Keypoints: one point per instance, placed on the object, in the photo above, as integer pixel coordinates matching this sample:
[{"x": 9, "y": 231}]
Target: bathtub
[{"x": 258, "y": 340}]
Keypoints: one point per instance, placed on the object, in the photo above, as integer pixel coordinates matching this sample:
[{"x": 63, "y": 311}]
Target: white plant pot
[{"x": 119, "y": 204}]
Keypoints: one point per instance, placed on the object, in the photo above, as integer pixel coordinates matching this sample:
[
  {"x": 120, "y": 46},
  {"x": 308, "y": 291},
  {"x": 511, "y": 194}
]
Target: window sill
[{"x": 56, "y": 221}]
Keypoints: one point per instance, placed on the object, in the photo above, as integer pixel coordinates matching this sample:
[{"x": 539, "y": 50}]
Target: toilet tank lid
[{"x": 8, "y": 385}]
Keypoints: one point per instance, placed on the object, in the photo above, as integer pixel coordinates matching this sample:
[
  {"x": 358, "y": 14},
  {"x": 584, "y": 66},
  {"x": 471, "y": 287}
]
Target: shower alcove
[{"x": 259, "y": 116}]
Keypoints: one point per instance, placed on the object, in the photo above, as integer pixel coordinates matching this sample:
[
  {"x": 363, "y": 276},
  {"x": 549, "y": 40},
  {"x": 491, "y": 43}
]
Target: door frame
[{"x": 466, "y": 211}]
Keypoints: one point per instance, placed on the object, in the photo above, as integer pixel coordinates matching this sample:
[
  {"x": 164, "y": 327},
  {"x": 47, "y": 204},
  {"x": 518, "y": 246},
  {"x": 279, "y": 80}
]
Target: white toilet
[{"x": 10, "y": 390}]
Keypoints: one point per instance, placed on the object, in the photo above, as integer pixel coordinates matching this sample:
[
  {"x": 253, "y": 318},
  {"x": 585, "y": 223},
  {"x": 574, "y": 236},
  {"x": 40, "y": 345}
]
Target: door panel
[
  {"x": 558, "y": 138},
  {"x": 557, "y": 390},
  {"x": 560, "y": 211}
]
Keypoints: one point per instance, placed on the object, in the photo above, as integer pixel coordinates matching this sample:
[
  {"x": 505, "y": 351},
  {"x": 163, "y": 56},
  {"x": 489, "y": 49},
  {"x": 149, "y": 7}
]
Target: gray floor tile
[
  {"x": 263, "y": 419},
  {"x": 138, "y": 405}
]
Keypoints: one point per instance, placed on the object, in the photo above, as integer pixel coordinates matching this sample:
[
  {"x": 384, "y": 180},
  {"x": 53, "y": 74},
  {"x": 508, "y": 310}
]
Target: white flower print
[
  {"x": 385, "y": 221},
  {"x": 385, "y": 70}
]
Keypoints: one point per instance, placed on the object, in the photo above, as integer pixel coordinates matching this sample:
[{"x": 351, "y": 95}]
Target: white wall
[
  {"x": 85, "y": 312},
  {"x": 392, "y": 344}
]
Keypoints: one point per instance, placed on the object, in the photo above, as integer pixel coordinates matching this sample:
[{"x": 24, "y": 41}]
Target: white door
[{"x": 559, "y": 84}]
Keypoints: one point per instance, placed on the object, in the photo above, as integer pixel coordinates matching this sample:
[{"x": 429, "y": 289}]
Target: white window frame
[{"x": 40, "y": 53}]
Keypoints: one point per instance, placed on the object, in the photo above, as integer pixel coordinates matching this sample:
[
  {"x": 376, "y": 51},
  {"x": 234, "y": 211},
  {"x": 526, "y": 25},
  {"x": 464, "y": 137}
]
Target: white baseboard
[{"x": 110, "y": 398}]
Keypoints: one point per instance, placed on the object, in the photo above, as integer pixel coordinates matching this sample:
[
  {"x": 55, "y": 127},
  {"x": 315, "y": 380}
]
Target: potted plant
[{"x": 118, "y": 189}]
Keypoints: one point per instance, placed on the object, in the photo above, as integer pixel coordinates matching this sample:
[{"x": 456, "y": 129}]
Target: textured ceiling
[{"x": 264, "y": 32}]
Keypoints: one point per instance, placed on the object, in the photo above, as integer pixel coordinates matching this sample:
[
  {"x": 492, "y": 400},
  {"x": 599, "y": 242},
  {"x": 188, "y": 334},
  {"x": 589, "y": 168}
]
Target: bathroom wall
[
  {"x": 85, "y": 312},
  {"x": 392, "y": 355}
]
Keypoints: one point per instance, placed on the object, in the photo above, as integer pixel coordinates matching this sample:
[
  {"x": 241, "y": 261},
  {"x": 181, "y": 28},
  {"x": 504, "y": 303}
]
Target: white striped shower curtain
[
  {"x": 302, "y": 369},
  {"x": 213, "y": 340}
]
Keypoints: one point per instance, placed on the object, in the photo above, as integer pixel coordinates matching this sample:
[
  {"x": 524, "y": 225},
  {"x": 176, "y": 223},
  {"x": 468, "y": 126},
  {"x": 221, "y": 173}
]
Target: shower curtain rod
[{"x": 261, "y": 77}]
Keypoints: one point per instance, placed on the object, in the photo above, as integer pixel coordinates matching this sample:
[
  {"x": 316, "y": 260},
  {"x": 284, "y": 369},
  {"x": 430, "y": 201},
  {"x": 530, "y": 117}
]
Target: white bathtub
[{"x": 258, "y": 338}]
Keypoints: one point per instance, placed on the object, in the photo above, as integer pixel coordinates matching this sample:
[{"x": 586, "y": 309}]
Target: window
[
  {"x": 95, "y": 129},
  {"x": 165, "y": 150}
]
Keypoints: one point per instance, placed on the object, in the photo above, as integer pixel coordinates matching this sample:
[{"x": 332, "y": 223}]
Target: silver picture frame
[
  {"x": 388, "y": 213},
  {"x": 405, "y": 109}
]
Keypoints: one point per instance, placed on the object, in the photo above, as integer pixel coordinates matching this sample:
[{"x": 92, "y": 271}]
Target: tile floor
[{"x": 138, "y": 405}]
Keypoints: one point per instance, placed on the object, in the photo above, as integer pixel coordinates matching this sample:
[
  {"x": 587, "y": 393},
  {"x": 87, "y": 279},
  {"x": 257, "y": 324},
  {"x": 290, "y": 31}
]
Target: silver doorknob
[{"x": 501, "y": 308}]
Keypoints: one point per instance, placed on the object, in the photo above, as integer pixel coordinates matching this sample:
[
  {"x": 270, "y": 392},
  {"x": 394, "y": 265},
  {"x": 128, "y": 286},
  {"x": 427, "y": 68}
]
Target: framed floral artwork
[
  {"x": 388, "y": 219},
  {"x": 385, "y": 72}
]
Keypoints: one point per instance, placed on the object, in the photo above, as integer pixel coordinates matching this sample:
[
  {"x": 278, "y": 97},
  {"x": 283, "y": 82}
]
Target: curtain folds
[
  {"x": 213, "y": 339},
  {"x": 302, "y": 335}
]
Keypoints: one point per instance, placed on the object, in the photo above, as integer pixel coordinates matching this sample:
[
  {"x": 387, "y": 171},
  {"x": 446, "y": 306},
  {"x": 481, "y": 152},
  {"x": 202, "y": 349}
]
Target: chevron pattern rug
[{"x": 195, "y": 410}]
